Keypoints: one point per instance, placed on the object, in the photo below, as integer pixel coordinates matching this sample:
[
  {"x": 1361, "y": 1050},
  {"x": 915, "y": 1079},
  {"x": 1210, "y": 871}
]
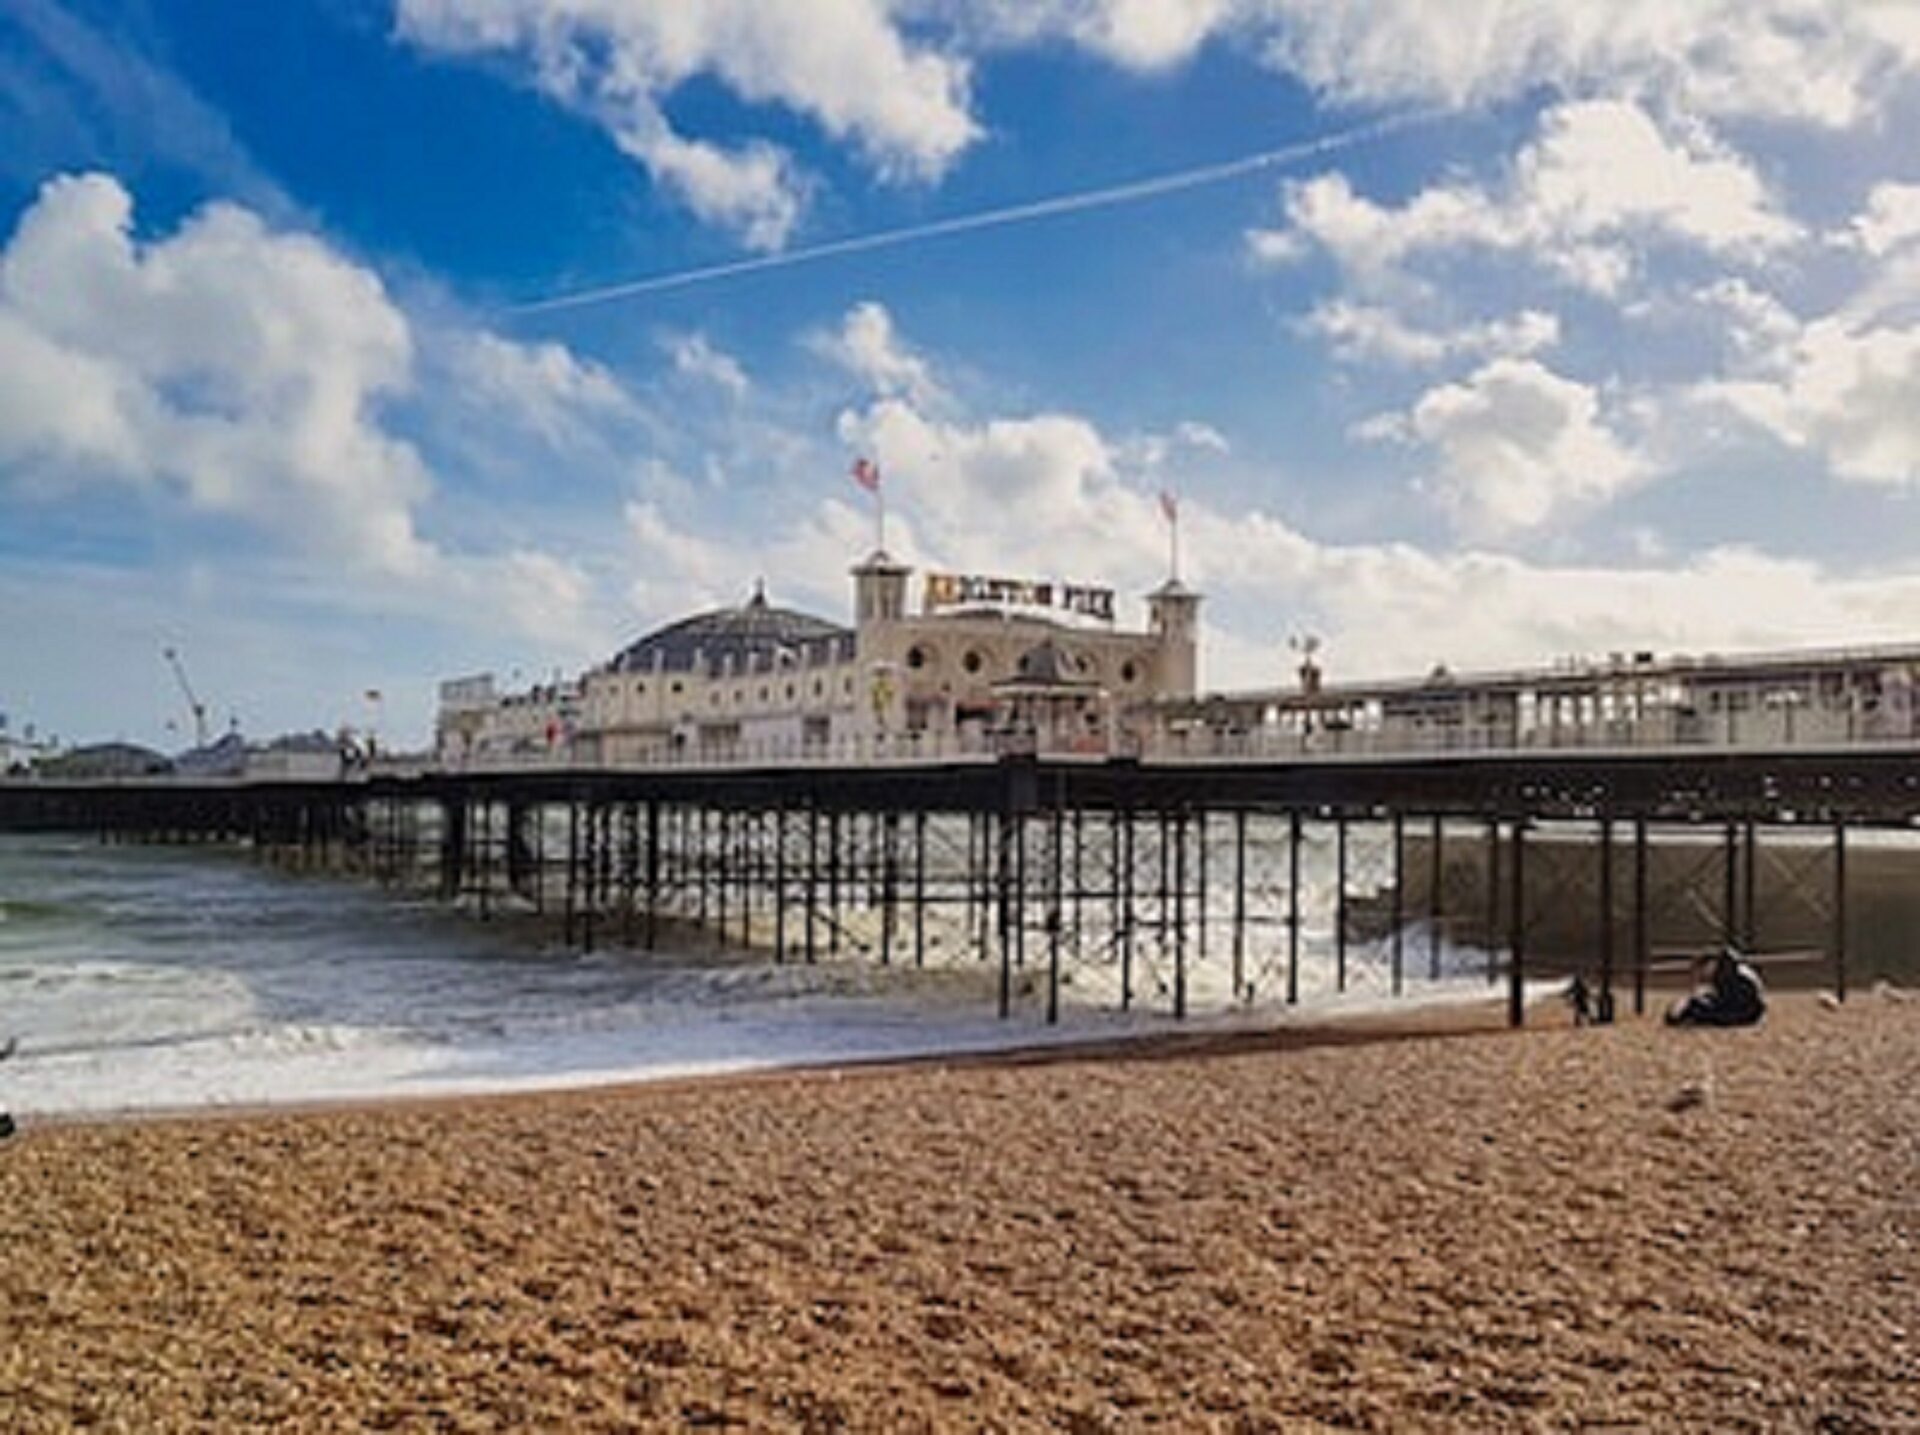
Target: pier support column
[
  {"x": 1055, "y": 919},
  {"x": 1180, "y": 915},
  {"x": 1399, "y": 902},
  {"x": 1340, "y": 901},
  {"x": 1604, "y": 933},
  {"x": 1293, "y": 908},
  {"x": 1436, "y": 905},
  {"x": 1239, "y": 903},
  {"x": 1517, "y": 929},
  {"x": 1840, "y": 910},
  {"x": 1641, "y": 943}
]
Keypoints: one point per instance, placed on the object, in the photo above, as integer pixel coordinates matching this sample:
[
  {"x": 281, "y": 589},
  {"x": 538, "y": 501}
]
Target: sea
[{"x": 154, "y": 978}]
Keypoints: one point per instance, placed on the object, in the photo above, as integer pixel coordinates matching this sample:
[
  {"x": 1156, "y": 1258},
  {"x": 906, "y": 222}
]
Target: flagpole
[{"x": 880, "y": 517}]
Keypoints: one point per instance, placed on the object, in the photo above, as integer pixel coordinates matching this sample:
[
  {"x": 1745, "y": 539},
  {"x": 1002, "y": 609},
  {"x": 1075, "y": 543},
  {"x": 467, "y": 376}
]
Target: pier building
[{"x": 980, "y": 664}]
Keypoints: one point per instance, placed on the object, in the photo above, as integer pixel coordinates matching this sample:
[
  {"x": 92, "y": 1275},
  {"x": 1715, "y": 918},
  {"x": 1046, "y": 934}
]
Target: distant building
[
  {"x": 983, "y": 662},
  {"x": 106, "y": 760}
]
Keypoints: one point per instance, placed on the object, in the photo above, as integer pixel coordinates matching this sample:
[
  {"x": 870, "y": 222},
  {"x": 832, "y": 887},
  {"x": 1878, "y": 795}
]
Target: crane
[{"x": 194, "y": 705}]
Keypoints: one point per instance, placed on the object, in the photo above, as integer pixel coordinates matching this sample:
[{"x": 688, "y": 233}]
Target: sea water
[{"x": 148, "y": 977}]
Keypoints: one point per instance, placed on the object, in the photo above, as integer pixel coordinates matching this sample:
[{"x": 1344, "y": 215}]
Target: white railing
[{"x": 1751, "y": 731}]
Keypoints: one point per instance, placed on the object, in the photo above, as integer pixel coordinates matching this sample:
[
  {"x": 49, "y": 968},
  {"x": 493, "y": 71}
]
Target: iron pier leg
[
  {"x": 1606, "y": 917},
  {"x": 573, "y": 868},
  {"x": 1340, "y": 901},
  {"x": 813, "y": 873},
  {"x": 920, "y": 888},
  {"x": 1435, "y": 901},
  {"x": 1003, "y": 883},
  {"x": 1055, "y": 881},
  {"x": 1124, "y": 879},
  {"x": 1840, "y": 910},
  {"x": 1750, "y": 889},
  {"x": 1239, "y": 902},
  {"x": 1641, "y": 951},
  {"x": 1200, "y": 885},
  {"x": 889, "y": 882},
  {"x": 1180, "y": 915},
  {"x": 780, "y": 884},
  {"x": 723, "y": 870},
  {"x": 651, "y": 926},
  {"x": 1293, "y": 908},
  {"x": 833, "y": 884},
  {"x": 592, "y": 867},
  {"x": 1729, "y": 906},
  {"x": 1399, "y": 901},
  {"x": 1493, "y": 900},
  {"x": 1517, "y": 929}
]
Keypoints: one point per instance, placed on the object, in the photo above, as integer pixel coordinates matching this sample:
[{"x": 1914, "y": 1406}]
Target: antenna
[{"x": 194, "y": 705}]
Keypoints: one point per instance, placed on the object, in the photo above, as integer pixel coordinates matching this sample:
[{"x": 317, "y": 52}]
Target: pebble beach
[{"x": 1370, "y": 1229}]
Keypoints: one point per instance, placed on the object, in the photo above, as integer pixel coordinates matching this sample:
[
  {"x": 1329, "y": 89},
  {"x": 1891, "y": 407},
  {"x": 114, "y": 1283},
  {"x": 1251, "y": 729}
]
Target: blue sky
[{"x": 1609, "y": 340}]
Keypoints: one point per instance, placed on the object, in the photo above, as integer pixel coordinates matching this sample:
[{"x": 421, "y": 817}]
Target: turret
[
  {"x": 1174, "y": 618},
  {"x": 879, "y": 590}
]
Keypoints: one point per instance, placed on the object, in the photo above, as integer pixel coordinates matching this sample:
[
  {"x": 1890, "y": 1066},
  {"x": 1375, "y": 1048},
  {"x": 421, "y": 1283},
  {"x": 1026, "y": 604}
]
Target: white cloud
[
  {"x": 1844, "y": 393},
  {"x": 1517, "y": 447},
  {"x": 868, "y": 346},
  {"x": 843, "y": 64},
  {"x": 1890, "y": 221},
  {"x": 696, "y": 357},
  {"x": 1361, "y": 332},
  {"x": 1599, "y": 181},
  {"x": 543, "y": 387},
  {"x": 1137, "y": 34},
  {"x": 1825, "y": 62},
  {"x": 242, "y": 367},
  {"x": 1197, "y": 435}
]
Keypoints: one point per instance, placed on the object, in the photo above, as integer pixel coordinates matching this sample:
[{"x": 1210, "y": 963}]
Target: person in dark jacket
[{"x": 1734, "y": 997}]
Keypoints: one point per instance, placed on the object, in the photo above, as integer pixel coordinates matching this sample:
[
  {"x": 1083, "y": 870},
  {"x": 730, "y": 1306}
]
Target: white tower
[{"x": 1174, "y": 618}]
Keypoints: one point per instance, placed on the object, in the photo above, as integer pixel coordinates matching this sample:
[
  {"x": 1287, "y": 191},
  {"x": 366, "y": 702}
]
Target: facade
[
  {"x": 1806, "y": 698},
  {"x": 983, "y": 664}
]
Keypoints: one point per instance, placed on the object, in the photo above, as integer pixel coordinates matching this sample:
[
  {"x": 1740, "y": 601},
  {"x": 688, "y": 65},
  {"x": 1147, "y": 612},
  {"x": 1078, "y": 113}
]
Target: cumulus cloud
[
  {"x": 1599, "y": 181},
  {"x": 243, "y": 367},
  {"x": 1378, "y": 333},
  {"x": 1845, "y": 393},
  {"x": 1822, "y": 62},
  {"x": 696, "y": 357},
  {"x": 868, "y": 346},
  {"x": 843, "y": 64},
  {"x": 544, "y": 387},
  {"x": 1516, "y": 447},
  {"x": 1890, "y": 221}
]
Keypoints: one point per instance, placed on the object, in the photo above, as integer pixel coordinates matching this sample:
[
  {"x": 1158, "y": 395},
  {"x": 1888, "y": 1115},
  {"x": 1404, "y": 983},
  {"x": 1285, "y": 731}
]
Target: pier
[{"x": 1151, "y": 882}]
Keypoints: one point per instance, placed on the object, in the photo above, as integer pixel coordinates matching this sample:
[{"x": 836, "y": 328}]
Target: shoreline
[{"x": 1225, "y": 1034}]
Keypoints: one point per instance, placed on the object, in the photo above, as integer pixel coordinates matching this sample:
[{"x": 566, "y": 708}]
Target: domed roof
[{"x": 753, "y": 632}]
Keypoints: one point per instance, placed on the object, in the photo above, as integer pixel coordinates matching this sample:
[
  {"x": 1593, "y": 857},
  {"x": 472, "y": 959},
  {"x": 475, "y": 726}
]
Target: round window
[
  {"x": 1128, "y": 672},
  {"x": 916, "y": 657},
  {"x": 973, "y": 662}
]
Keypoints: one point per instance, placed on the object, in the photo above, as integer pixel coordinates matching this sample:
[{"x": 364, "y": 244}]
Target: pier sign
[{"x": 953, "y": 590}]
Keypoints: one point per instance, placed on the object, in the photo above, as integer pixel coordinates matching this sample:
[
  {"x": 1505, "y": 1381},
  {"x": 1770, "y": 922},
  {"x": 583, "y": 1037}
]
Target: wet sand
[{"x": 1489, "y": 1230}]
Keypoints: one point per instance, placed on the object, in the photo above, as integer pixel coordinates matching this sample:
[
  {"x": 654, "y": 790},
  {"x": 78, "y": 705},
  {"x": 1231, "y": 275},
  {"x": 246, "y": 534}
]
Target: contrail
[{"x": 991, "y": 218}]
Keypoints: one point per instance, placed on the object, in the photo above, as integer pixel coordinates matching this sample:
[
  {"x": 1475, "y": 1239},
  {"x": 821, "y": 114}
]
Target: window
[
  {"x": 763, "y": 692},
  {"x": 678, "y": 687},
  {"x": 916, "y": 657},
  {"x": 1128, "y": 672},
  {"x": 973, "y": 662}
]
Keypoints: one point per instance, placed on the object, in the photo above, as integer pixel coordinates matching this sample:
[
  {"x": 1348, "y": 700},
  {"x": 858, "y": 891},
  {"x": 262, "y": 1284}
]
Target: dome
[{"x": 756, "y": 632}]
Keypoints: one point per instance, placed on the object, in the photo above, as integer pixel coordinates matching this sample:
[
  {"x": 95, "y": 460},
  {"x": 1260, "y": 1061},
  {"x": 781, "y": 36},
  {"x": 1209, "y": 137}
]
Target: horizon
[{"x": 353, "y": 345}]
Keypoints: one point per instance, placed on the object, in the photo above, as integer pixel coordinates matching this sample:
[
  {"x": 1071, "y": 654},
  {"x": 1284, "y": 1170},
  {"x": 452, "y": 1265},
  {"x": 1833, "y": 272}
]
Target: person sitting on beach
[{"x": 1735, "y": 997}]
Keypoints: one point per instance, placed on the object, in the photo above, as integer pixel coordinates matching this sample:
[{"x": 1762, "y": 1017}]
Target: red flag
[
  {"x": 866, "y": 473},
  {"x": 1170, "y": 505}
]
